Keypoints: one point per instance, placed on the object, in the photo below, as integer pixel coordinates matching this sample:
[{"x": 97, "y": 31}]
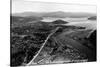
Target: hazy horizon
[
  {"x": 50, "y": 12},
  {"x": 20, "y": 6}
]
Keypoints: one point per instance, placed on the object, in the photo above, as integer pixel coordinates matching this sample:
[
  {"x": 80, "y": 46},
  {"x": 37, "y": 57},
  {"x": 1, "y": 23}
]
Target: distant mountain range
[{"x": 58, "y": 14}]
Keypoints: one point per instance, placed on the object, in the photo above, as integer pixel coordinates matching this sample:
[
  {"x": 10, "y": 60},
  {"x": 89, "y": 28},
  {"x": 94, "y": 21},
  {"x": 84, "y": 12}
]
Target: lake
[{"x": 84, "y": 22}]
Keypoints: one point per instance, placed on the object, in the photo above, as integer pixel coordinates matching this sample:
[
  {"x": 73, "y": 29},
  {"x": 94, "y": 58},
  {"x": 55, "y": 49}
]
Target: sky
[{"x": 19, "y": 6}]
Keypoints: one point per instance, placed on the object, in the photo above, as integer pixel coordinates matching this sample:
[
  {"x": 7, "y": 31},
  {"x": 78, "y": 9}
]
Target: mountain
[
  {"x": 59, "y": 22},
  {"x": 58, "y": 14},
  {"x": 92, "y": 18}
]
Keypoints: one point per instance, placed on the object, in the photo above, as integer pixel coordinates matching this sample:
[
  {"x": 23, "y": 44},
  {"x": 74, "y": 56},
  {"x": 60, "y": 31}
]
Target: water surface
[{"x": 84, "y": 22}]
